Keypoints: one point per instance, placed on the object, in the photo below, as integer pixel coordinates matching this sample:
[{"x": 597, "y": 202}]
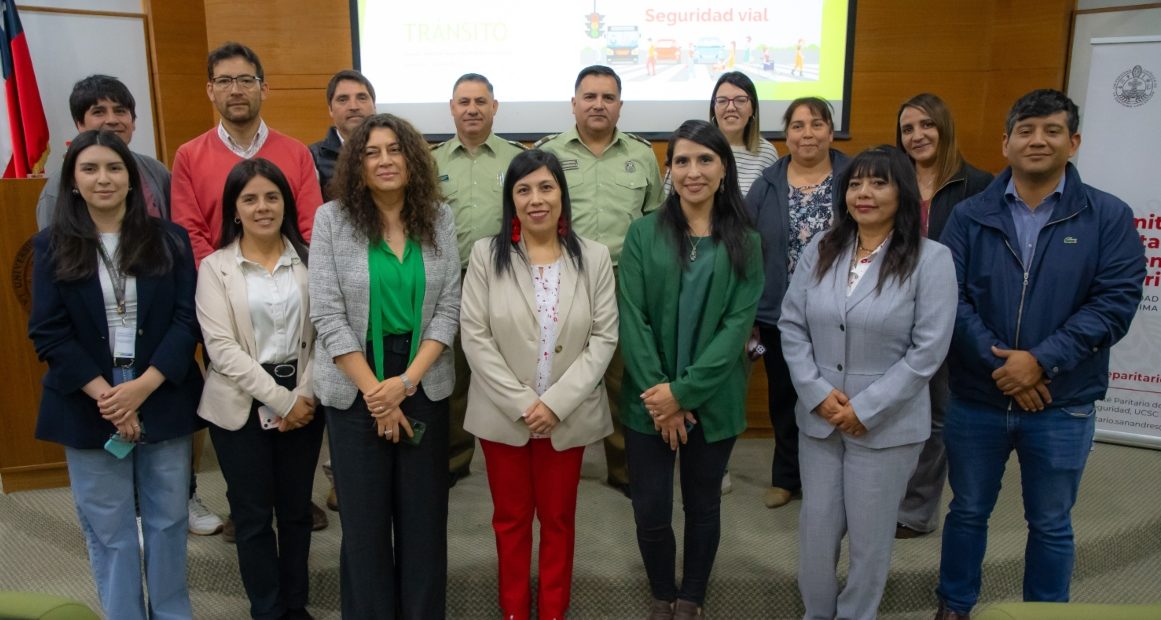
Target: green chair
[
  {"x": 1068, "y": 611},
  {"x": 36, "y": 606}
]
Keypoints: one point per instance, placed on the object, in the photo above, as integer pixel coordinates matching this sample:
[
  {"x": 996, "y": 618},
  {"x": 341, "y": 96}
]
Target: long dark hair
[
  {"x": 241, "y": 174},
  {"x": 729, "y": 223},
  {"x": 523, "y": 165},
  {"x": 750, "y": 133},
  {"x": 421, "y": 196},
  {"x": 892, "y": 164},
  {"x": 947, "y": 157},
  {"x": 142, "y": 250}
]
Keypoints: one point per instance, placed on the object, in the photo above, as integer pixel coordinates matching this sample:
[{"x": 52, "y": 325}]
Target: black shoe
[
  {"x": 454, "y": 476},
  {"x": 298, "y": 614}
]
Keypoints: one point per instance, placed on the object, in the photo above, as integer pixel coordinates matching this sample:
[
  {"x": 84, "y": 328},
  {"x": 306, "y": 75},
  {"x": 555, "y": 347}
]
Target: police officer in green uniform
[
  {"x": 613, "y": 179},
  {"x": 471, "y": 173}
]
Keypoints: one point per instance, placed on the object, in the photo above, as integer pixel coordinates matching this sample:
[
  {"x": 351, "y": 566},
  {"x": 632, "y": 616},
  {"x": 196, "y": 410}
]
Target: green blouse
[
  {"x": 397, "y": 289},
  {"x": 695, "y": 284}
]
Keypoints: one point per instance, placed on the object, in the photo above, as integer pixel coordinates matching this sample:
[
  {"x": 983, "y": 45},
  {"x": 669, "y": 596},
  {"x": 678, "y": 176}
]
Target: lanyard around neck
[{"x": 115, "y": 277}]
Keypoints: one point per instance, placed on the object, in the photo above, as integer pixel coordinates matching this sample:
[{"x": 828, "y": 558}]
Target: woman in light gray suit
[
  {"x": 385, "y": 294},
  {"x": 539, "y": 328},
  {"x": 866, "y": 322}
]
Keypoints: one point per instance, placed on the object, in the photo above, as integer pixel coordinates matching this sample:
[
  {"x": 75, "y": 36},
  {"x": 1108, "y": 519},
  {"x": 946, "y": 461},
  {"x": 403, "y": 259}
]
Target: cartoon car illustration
[
  {"x": 709, "y": 50},
  {"x": 621, "y": 44},
  {"x": 667, "y": 50}
]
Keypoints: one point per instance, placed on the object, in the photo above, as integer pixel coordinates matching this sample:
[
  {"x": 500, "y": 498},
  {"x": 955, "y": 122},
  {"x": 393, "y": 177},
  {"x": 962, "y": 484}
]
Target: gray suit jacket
[
  {"x": 340, "y": 302},
  {"x": 880, "y": 349}
]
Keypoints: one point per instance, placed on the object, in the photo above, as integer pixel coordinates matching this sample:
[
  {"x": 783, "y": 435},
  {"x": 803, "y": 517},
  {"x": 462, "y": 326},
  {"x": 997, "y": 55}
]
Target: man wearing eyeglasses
[{"x": 237, "y": 87}]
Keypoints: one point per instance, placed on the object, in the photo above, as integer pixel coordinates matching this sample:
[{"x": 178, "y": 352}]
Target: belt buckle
[{"x": 284, "y": 371}]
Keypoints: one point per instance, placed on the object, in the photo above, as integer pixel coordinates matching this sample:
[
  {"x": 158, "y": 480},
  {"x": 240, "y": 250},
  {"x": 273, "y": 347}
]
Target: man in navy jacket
[{"x": 1050, "y": 273}]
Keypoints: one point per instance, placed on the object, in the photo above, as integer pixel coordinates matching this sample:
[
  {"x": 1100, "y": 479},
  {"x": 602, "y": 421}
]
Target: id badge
[
  {"x": 124, "y": 342},
  {"x": 123, "y": 374}
]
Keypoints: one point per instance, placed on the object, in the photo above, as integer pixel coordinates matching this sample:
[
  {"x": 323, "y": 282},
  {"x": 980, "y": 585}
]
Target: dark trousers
[
  {"x": 461, "y": 443},
  {"x": 782, "y": 399},
  {"x": 393, "y": 559},
  {"x": 651, "y": 482},
  {"x": 617, "y": 467},
  {"x": 268, "y": 474}
]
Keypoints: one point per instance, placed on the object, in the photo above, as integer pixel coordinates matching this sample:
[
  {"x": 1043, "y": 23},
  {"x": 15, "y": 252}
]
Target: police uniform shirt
[
  {"x": 610, "y": 190},
  {"x": 474, "y": 186}
]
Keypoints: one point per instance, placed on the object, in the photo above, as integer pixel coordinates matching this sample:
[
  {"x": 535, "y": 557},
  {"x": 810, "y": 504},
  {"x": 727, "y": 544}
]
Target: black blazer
[
  {"x": 965, "y": 183},
  {"x": 70, "y": 331}
]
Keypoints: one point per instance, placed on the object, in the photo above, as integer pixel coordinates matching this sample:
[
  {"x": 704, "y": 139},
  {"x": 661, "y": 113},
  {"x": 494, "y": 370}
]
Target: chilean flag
[{"x": 24, "y": 141}]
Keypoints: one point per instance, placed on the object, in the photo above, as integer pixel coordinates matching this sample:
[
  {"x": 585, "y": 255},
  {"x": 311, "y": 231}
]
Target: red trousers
[{"x": 533, "y": 479}]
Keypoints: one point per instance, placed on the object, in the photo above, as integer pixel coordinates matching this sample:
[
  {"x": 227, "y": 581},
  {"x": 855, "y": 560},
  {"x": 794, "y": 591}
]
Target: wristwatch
[{"x": 408, "y": 387}]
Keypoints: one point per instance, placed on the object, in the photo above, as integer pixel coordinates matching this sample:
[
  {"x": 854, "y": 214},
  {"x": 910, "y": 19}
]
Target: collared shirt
[
  {"x": 275, "y": 306},
  {"x": 255, "y": 144},
  {"x": 610, "y": 190},
  {"x": 473, "y": 185},
  {"x": 1029, "y": 221}
]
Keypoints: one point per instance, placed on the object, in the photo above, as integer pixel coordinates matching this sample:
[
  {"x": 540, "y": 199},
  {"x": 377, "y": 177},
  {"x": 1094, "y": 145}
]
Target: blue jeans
[
  {"x": 103, "y": 489},
  {"x": 1052, "y": 447}
]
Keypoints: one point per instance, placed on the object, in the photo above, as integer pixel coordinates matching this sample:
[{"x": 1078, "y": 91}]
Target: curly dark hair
[{"x": 422, "y": 196}]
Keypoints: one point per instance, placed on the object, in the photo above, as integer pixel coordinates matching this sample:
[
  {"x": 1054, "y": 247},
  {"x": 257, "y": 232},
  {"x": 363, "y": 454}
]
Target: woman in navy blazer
[
  {"x": 113, "y": 316},
  {"x": 866, "y": 322}
]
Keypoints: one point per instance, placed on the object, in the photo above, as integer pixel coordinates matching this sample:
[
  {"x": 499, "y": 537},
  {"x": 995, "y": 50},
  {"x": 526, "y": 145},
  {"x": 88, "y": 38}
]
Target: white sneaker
[
  {"x": 202, "y": 522},
  {"x": 727, "y": 485}
]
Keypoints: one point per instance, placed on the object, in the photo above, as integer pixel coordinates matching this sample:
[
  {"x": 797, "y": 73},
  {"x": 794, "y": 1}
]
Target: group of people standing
[{"x": 586, "y": 300}]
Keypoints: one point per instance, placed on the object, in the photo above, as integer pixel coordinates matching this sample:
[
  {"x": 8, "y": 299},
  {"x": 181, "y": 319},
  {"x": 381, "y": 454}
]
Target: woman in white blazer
[
  {"x": 385, "y": 297},
  {"x": 539, "y": 327},
  {"x": 865, "y": 323},
  {"x": 254, "y": 310}
]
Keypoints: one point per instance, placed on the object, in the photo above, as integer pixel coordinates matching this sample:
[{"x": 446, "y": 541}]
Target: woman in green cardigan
[{"x": 690, "y": 279}]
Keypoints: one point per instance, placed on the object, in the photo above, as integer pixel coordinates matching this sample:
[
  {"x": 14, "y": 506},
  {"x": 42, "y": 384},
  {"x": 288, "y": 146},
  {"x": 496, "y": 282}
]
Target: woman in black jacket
[{"x": 926, "y": 132}]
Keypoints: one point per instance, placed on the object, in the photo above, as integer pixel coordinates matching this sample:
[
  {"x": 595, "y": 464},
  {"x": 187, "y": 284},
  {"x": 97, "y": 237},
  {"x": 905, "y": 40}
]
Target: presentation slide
[{"x": 668, "y": 54}]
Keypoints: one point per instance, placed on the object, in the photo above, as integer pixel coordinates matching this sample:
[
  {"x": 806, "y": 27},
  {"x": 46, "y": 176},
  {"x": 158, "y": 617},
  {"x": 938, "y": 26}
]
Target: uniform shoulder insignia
[
  {"x": 516, "y": 143},
  {"x": 438, "y": 144},
  {"x": 544, "y": 139},
  {"x": 637, "y": 138}
]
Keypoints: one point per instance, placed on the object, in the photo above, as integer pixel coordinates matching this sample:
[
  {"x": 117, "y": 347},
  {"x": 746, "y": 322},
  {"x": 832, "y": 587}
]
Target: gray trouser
[{"x": 919, "y": 509}]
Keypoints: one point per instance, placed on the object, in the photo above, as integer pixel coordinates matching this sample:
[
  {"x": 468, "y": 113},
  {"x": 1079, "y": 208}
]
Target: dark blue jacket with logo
[{"x": 1074, "y": 302}]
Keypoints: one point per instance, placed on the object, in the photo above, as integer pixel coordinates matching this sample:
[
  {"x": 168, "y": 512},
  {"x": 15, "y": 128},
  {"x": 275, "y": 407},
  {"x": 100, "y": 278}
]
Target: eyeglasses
[
  {"x": 724, "y": 102},
  {"x": 245, "y": 82}
]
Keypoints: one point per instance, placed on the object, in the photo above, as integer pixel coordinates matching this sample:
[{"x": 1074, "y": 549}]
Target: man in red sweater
[{"x": 237, "y": 87}]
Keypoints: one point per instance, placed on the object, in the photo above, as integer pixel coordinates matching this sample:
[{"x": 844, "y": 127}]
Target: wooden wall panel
[
  {"x": 24, "y": 461},
  {"x": 177, "y": 31},
  {"x": 301, "y": 44},
  {"x": 979, "y": 56}
]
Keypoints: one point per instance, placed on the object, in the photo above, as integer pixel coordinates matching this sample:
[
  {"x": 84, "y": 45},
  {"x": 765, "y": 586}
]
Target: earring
[
  {"x": 562, "y": 227},
  {"x": 76, "y": 192},
  {"x": 237, "y": 220},
  {"x": 515, "y": 230}
]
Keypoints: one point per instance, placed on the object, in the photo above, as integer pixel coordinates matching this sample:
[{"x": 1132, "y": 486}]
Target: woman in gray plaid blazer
[{"x": 385, "y": 296}]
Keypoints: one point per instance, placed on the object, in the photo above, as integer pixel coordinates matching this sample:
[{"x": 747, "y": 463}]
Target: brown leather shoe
[
  {"x": 686, "y": 610},
  {"x": 333, "y": 500},
  {"x": 660, "y": 610},
  {"x": 943, "y": 613},
  {"x": 776, "y": 497},
  {"x": 318, "y": 518},
  {"x": 902, "y": 532}
]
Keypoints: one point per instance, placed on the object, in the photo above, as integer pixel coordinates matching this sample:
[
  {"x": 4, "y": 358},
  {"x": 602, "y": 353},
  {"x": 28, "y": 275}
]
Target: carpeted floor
[{"x": 1118, "y": 523}]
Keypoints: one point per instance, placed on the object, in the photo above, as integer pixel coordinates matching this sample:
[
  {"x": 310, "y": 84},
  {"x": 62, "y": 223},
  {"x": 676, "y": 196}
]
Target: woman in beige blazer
[
  {"x": 539, "y": 326},
  {"x": 254, "y": 310}
]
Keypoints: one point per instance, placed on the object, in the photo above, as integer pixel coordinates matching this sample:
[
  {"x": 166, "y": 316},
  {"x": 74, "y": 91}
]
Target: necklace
[{"x": 693, "y": 247}]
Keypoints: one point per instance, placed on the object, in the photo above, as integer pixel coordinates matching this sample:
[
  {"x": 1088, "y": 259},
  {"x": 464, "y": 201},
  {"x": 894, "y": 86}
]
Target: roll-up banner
[{"x": 1120, "y": 153}]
